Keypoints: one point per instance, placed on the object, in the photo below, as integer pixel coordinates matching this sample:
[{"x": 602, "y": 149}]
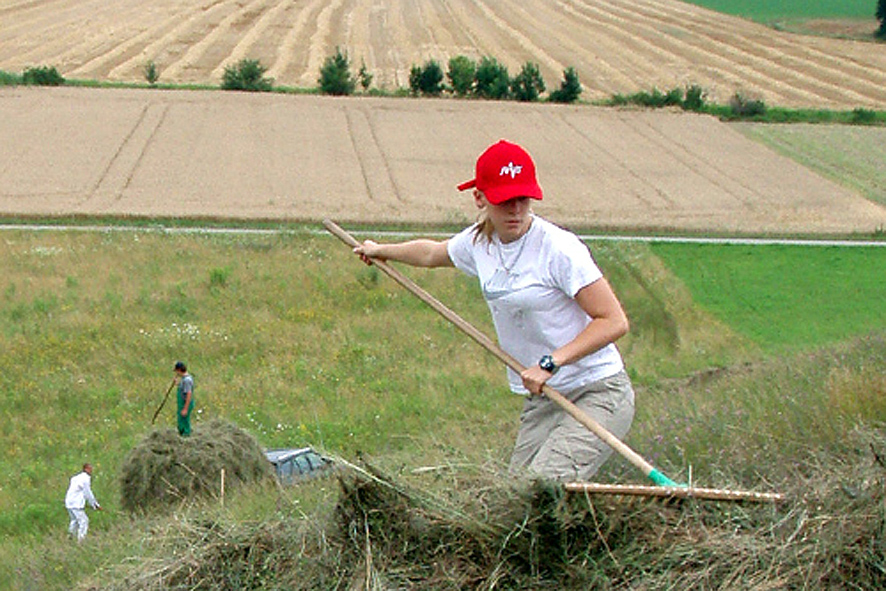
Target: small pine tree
[
  {"x": 335, "y": 75},
  {"x": 528, "y": 85},
  {"x": 426, "y": 80},
  {"x": 570, "y": 88},
  {"x": 432, "y": 79},
  {"x": 461, "y": 75},
  {"x": 492, "y": 80},
  {"x": 881, "y": 16},
  {"x": 151, "y": 73}
]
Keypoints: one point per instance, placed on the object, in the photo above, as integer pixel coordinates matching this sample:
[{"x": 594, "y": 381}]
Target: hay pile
[
  {"x": 166, "y": 470},
  {"x": 481, "y": 530}
]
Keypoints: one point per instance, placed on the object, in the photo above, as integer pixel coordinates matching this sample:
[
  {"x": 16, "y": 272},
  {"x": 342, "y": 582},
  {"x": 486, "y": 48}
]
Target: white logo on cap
[{"x": 511, "y": 170}]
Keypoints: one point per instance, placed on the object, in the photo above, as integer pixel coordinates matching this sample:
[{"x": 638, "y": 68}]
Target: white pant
[{"x": 79, "y": 523}]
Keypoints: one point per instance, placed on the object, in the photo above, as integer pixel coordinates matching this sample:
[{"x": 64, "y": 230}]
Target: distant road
[{"x": 407, "y": 235}]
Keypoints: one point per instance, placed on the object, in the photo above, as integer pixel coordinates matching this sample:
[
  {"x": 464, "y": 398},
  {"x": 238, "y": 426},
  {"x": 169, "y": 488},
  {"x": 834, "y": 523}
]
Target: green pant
[{"x": 184, "y": 422}]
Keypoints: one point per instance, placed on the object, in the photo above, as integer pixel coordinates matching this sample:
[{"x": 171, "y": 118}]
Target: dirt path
[
  {"x": 263, "y": 156},
  {"x": 617, "y": 46}
]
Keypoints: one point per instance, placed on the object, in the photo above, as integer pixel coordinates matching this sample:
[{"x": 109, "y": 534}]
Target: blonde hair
[{"x": 484, "y": 228}]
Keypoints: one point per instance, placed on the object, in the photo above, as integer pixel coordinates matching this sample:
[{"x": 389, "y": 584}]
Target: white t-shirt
[
  {"x": 79, "y": 492},
  {"x": 530, "y": 285}
]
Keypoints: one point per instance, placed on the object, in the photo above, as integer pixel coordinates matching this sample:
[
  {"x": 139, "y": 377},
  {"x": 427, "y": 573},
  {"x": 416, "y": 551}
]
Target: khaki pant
[{"x": 553, "y": 444}]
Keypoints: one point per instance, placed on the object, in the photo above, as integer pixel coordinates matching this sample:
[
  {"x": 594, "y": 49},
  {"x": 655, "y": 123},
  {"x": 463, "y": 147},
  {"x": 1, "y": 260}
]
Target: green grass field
[
  {"x": 290, "y": 337},
  {"x": 764, "y": 11},
  {"x": 785, "y": 296}
]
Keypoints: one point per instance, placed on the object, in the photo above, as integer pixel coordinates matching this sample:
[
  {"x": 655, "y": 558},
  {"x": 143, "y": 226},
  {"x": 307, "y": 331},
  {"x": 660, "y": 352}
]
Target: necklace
[{"x": 501, "y": 246}]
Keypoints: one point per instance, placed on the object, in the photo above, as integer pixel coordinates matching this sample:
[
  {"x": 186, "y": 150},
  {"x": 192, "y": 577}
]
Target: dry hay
[
  {"x": 482, "y": 530},
  {"x": 165, "y": 469}
]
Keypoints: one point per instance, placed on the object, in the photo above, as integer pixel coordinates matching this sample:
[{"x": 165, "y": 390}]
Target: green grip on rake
[{"x": 662, "y": 480}]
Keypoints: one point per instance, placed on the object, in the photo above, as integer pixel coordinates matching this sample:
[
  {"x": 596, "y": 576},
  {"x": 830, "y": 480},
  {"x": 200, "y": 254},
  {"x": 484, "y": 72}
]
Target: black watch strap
[{"x": 547, "y": 364}]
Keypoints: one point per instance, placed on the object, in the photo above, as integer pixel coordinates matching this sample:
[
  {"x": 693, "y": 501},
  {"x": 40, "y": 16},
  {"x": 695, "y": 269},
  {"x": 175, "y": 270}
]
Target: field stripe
[
  {"x": 528, "y": 45},
  {"x": 765, "y": 55},
  {"x": 703, "y": 50},
  {"x": 317, "y": 50},
  {"x": 163, "y": 49},
  {"x": 259, "y": 29},
  {"x": 684, "y": 57},
  {"x": 614, "y": 38},
  {"x": 617, "y": 46},
  {"x": 217, "y": 35},
  {"x": 56, "y": 38},
  {"x": 130, "y": 56},
  {"x": 282, "y": 67}
]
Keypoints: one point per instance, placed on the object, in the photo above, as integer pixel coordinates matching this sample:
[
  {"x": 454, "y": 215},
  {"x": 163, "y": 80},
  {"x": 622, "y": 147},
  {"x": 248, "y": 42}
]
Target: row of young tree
[{"x": 464, "y": 77}]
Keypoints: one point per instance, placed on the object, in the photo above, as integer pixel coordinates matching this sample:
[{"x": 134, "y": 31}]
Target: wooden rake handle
[
  {"x": 162, "y": 404},
  {"x": 484, "y": 341}
]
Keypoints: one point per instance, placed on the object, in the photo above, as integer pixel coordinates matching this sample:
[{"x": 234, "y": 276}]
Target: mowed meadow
[{"x": 739, "y": 353}]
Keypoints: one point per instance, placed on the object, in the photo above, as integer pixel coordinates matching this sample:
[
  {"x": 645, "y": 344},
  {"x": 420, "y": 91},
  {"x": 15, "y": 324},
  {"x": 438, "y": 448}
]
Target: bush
[
  {"x": 570, "y": 88},
  {"x": 461, "y": 73},
  {"x": 246, "y": 75},
  {"x": 863, "y": 116},
  {"x": 42, "y": 76},
  {"x": 528, "y": 85},
  {"x": 695, "y": 98},
  {"x": 426, "y": 80},
  {"x": 673, "y": 98},
  {"x": 491, "y": 79},
  {"x": 656, "y": 99},
  {"x": 9, "y": 79},
  {"x": 745, "y": 107},
  {"x": 880, "y": 14},
  {"x": 335, "y": 75}
]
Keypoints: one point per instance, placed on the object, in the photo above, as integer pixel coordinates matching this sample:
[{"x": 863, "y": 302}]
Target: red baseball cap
[{"x": 504, "y": 171}]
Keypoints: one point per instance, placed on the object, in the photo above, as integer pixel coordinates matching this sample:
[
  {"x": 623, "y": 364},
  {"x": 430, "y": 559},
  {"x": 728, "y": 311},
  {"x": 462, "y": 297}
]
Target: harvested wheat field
[
  {"x": 74, "y": 151},
  {"x": 617, "y": 46}
]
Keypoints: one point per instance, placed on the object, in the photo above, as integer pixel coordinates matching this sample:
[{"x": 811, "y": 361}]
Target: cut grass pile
[
  {"x": 478, "y": 529},
  {"x": 165, "y": 470}
]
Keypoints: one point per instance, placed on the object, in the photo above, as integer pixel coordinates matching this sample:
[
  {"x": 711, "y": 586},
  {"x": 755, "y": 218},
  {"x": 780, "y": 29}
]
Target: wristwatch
[{"x": 547, "y": 364}]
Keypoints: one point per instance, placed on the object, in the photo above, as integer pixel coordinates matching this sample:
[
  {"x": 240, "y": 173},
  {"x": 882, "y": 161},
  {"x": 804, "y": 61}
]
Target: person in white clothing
[
  {"x": 552, "y": 308},
  {"x": 78, "y": 495}
]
